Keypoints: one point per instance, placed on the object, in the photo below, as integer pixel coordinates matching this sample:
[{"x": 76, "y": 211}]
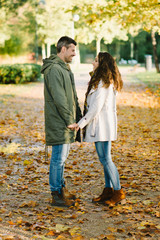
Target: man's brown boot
[
  {"x": 106, "y": 195},
  {"x": 59, "y": 200},
  {"x": 117, "y": 197},
  {"x": 67, "y": 194}
]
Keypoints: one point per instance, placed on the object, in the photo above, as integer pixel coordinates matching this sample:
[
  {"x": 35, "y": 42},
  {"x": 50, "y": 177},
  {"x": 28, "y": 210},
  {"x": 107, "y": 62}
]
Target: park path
[{"x": 25, "y": 198}]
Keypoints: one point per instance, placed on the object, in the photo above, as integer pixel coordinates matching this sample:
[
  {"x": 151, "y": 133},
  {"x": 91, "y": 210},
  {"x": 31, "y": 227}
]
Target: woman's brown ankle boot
[
  {"x": 117, "y": 196},
  {"x": 106, "y": 195}
]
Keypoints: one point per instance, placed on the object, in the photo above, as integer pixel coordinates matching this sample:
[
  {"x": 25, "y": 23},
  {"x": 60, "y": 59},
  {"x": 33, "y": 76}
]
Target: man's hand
[{"x": 73, "y": 126}]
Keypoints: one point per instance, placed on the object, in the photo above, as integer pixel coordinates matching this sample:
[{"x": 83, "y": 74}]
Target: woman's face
[{"x": 95, "y": 63}]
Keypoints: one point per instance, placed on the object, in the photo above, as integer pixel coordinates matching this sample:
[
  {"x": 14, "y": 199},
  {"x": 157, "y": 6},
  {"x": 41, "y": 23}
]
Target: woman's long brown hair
[{"x": 107, "y": 71}]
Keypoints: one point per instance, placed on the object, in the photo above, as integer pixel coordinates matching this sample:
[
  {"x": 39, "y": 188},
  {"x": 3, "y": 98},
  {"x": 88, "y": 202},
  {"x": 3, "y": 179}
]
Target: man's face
[{"x": 69, "y": 53}]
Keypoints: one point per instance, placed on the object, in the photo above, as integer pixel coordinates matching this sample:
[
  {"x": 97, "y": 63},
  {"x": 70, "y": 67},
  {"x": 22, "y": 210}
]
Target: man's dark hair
[{"x": 64, "y": 41}]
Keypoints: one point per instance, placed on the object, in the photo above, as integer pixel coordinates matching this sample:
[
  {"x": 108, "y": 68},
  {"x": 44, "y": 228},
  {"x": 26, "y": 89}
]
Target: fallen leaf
[{"x": 51, "y": 233}]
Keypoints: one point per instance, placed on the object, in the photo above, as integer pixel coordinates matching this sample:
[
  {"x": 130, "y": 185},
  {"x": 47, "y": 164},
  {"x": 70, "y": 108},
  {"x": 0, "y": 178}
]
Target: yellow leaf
[
  {"x": 147, "y": 202},
  {"x": 19, "y": 221},
  {"x": 79, "y": 238},
  {"x": 75, "y": 230},
  {"x": 11, "y": 223},
  {"x": 50, "y": 233},
  {"x": 61, "y": 237},
  {"x": 111, "y": 229},
  {"x": 27, "y": 162},
  {"x": 8, "y": 237},
  {"x": 61, "y": 228}
]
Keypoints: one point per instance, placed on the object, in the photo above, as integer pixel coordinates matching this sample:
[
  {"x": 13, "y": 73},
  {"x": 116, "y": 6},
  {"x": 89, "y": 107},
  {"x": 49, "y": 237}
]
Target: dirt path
[{"x": 25, "y": 197}]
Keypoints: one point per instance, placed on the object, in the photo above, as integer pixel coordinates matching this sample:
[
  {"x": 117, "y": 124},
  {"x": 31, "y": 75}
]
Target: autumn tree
[
  {"x": 8, "y": 9},
  {"x": 14, "y": 35},
  {"x": 129, "y": 13},
  {"x": 12, "y": 5},
  {"x": 4, "y": 29},
  {"x": 53, "y": 22},
  {"x": 144, "y": 13},
  {"x": 107, "y": 31}
]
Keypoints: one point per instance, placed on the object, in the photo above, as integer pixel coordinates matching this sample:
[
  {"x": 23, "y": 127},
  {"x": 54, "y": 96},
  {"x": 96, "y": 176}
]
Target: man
[{"x": 62, "y": 111}]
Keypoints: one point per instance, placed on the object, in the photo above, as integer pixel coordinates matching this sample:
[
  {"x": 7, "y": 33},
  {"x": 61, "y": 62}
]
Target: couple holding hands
[{"x": 63, "y": 119}]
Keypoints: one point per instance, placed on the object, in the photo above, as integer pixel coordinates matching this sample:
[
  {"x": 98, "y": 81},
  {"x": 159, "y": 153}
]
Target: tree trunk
[
  {"x": 117, "y": 51},
  {"x": 76, "y": 59},
  {"x": 48, "y": 49},
  {"x": 98, "y": 45},
  {"x": 155, "y": 50},
  {"x": 132, "y": 48},
  {"x": 78, "y": 54},
  {"x": 43, "y": 51}
]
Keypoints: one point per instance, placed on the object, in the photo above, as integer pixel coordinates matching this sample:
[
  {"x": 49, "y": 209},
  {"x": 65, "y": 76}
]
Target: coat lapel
[{"x": 92, "y": 91}]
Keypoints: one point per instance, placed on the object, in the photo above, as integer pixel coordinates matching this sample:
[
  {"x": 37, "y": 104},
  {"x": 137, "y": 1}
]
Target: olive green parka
[{"x": 61, "y": 102}]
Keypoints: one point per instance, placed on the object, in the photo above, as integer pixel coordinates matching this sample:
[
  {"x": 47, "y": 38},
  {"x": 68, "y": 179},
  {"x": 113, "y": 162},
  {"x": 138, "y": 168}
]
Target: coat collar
[{"x": 92, "y": 90}]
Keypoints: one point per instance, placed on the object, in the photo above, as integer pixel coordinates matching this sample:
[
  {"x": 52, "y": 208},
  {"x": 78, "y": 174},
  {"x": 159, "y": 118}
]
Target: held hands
[{"x": 73, "y": 126}]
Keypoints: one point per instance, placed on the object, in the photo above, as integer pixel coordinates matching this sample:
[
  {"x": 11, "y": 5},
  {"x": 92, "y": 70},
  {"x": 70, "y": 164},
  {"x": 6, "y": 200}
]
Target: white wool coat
[{"x": 101, "y": 117}]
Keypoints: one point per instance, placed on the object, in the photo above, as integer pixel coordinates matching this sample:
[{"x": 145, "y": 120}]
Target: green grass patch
[
  {"x": 151, "y": 79},
  {"x": 8, "y": 91}
]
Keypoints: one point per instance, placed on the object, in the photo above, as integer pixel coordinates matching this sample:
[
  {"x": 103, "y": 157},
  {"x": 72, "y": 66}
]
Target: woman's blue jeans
[
  {"x": 59, "y": 155},
  {"x": 110, "y": 171}
]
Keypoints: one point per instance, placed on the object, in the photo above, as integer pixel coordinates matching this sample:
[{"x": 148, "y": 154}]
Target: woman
[{"x": 100, "y": 120}]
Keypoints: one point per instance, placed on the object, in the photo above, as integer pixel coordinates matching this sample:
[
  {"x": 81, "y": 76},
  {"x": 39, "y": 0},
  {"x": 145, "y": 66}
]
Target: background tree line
[{"x": 126, "y": 28}]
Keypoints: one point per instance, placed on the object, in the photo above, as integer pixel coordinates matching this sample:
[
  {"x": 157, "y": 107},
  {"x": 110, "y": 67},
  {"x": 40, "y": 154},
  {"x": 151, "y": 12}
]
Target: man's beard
[{"x": 67, "y": 60}]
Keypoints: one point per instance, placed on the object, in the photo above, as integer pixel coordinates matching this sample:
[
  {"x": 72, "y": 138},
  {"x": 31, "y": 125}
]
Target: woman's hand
[{"x": 73, "y": 126}]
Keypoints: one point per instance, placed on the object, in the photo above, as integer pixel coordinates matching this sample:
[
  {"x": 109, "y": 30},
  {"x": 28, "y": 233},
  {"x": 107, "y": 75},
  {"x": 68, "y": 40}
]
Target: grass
[
  {"x": 151, "y": 79},
  {"x": 148, "y": 77}
]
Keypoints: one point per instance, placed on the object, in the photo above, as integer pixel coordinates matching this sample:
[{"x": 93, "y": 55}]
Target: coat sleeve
[
  {"x": 100, "y": 96},
  {"x": 55, "y": 84}
]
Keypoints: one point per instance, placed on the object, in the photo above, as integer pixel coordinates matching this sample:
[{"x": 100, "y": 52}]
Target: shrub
[{"x": 19, "y": 73}]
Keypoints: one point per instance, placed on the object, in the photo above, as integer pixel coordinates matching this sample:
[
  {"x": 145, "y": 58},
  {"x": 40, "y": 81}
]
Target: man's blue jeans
[
  {"x": 59, "y": 155},
  {"x": 110, "y": 171}
]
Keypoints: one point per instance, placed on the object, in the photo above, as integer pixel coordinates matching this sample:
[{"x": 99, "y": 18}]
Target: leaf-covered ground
[{"x": 26, "y": 212}]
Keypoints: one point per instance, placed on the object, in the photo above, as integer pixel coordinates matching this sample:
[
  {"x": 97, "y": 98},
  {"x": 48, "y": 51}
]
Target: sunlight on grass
[
  {"x": 29, "y": 90},
  {"x": 149, "y": 77}
]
